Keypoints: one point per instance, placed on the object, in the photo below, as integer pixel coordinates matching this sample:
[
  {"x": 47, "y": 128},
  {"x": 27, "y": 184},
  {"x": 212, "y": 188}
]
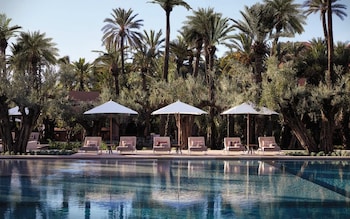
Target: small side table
[
  {"x": 109, "y": 149},
  {"x": 178, "y": 148},
  {"x": 250, "y": 148}
]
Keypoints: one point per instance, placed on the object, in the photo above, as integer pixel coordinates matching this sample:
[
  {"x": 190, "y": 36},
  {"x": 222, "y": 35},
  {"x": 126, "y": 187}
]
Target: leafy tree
[
  {"x": 168, "y": 6},
  {"x": 304, "y": 105}
]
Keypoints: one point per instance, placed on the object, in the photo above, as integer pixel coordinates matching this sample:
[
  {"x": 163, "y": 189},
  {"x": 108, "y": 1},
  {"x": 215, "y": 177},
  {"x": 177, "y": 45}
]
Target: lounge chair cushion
[
  {"x": 197, "y": 143},
  {"x": 91, "y": 143},
  {"x": 126, "y": 143},
  {"x": 162, "y": 143},
  {"x": 269, "y": 144},
  {"x": 234, "y": 143}
]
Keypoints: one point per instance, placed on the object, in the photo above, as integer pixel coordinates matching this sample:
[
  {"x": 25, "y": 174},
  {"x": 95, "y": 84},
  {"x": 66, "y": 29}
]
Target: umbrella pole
[
  {"x": 228, "y": 125},
  {"x": 248, "y": 127},
  {"x": 179, "y": 130},
  {"x": 110, "y": 130},
  {"x": 178, "y": 124}
]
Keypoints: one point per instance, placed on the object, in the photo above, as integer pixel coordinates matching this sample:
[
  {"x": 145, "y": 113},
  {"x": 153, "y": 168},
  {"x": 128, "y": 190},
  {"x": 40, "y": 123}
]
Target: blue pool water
[{"x": 174, "y": 189}]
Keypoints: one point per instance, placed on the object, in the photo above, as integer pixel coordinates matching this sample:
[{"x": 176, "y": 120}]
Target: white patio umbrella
[
  {"x": 179, "y": 108},
  {"x": 111, "y": 108},
  {"x": 248, "y": 109},
  {"x": 14, "y": 111}
]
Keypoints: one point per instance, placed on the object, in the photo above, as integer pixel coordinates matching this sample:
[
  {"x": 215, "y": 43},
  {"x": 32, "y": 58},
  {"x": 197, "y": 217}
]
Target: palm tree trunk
[
  {"x": 3, "y": 46},
  {"x": 115, "y": 73},
  {"x": 122, "y": 54},
  {"x": 330, "y": 44},
  {"x": 198, "y": 56},
  {"x": 167, "y": 42},
  {"x": 324, "y": 25}
]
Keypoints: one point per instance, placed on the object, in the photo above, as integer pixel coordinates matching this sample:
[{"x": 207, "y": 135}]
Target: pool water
[{"x": 174, "y": 189}]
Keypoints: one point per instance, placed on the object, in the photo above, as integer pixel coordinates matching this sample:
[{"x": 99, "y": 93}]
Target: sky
[{"x": 75, "y": 25}]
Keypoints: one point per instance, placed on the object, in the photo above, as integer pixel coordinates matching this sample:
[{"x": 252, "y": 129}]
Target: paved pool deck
[{"x": 149, "y": 154}]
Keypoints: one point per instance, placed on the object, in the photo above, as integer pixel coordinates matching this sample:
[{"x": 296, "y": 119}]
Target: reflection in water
[{"x": 173, "y": 189}]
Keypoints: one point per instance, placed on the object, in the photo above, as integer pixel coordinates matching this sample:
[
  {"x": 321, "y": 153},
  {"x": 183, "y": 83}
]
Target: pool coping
[{"x": 149, "y": 154}]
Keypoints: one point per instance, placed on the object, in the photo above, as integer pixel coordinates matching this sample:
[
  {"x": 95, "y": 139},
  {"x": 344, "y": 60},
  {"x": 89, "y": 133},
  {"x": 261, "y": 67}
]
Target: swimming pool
[{"x": 174, "y": 189}]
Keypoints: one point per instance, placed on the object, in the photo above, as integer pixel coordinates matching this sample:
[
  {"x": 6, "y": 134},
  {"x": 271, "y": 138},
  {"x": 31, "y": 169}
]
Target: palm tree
[
  {"x": 6, "y": 32},
  {"x": 168, "y": 6},
  {"x": 289, "y": 19},
  {"x": 148, "y": 52},
  {"x": 120, "y": 31},
  {"x": 181, "y": 53},
  {"x": 209, "y": 28},
  {"x": 320, "y": 6},
  {"x": 33, "y": 51},
  {"x": 326, "y": 8},
  {"x": 257, "y": 23},
  {"x": 109, "y": 62},
  {"x": 241, "y": 48},
  {"x": 197, "y": 32},
  {"x": 219, "y": 31},
  {"x": 82, "y": 70},
  {"x": 32, "y": 54}
]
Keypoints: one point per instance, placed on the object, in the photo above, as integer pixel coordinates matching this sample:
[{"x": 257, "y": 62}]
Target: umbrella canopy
[
  {"x": 179, "y": 108},
  {"x": 244, "y": 108},
  {"x": 248, "y": 108},
  {"x": 15, "y": 111},
  {"x": 267, "y": 111},
  {"x": 110, "y": 108}
]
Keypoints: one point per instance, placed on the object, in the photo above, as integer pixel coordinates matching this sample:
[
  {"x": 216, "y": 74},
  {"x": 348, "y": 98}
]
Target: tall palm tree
[
  {"x": 82, "y": 70},
  {"x": 257, "y": 23},
  {"x": 32, "y": 54},
  {"x": 168, "y": 6},
  {"x": 120, "y": 31},
  {"x": 289, "y": 19},
  {"x": 6, "y": 32},
  {"x": 320, "y": 6},
  {"x": 326, "y": 8},
  {"x": 32, "y": 51}
]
